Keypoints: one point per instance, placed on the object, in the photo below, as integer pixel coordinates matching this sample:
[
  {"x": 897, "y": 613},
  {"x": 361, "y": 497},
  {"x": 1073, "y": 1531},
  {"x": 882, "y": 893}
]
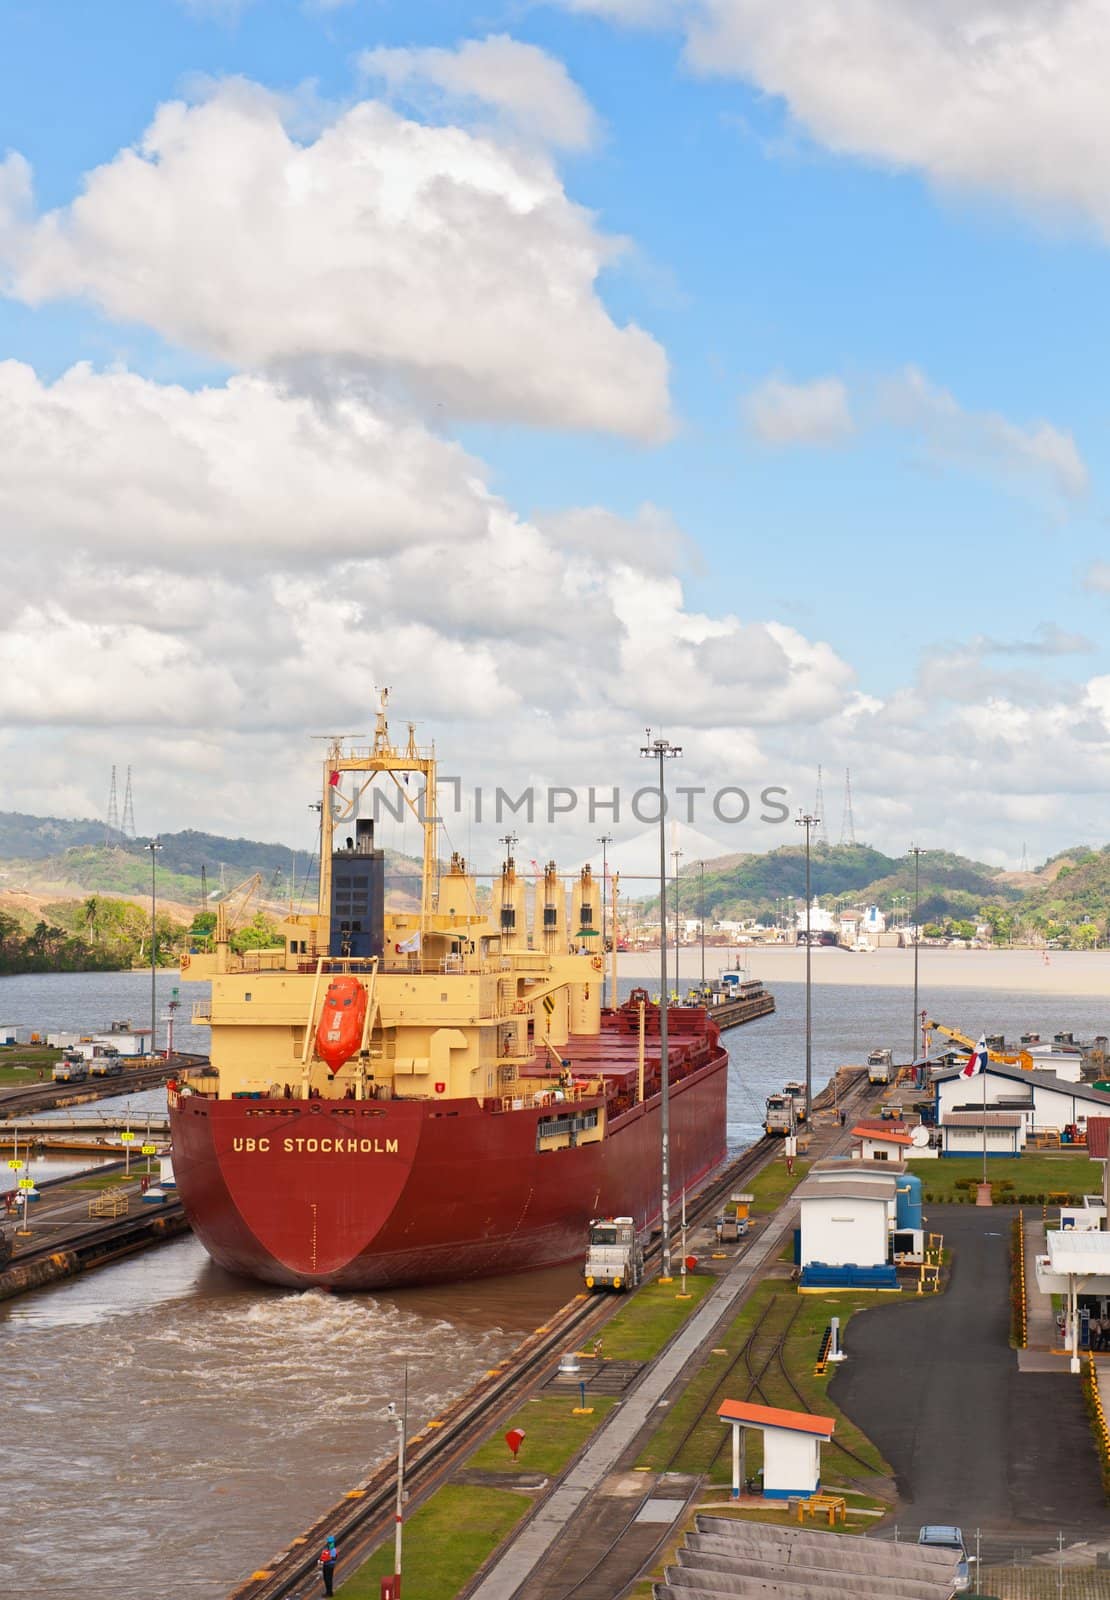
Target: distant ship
[{"x": 429, "y": 1095}]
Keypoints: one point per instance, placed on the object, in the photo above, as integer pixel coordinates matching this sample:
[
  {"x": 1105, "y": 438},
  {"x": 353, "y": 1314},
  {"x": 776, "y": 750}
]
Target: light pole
[
  {"x": 915, "y": 852},
  {"x": 154, "y": 848},
  {"x": 605, "y": 841},
  {"x": 662, "y": 750},
  {"x": 675, "y": 854},
  {"x": 701, "y": 918},
  {"x": 399, "y": 1422},
  {"x": 808, "y": 821}
]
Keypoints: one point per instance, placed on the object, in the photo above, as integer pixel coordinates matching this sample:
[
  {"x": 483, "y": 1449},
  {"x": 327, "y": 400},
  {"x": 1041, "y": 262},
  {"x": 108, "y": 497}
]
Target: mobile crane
[{"x": 1020, "y": 1058}]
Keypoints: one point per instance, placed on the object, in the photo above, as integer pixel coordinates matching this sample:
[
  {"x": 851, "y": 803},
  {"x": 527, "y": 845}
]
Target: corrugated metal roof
[
  {"x": 724, "y": 1556},
  {"x": 846, "y": 1189},
  {"x": 975, "y": 1119},
  {"x": 773, "y": 1417},
  {"x": 888, "y": 1134},
  {"x": 1044, "y": 1080}
]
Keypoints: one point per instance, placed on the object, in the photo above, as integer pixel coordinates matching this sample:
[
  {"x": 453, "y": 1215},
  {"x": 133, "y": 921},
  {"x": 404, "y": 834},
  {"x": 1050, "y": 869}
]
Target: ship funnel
[{"x": 357, "y": 911}]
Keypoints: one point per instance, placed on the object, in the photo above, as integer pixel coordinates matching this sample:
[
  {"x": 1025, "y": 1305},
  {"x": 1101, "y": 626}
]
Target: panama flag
[{"x": 976, "y": 1061}]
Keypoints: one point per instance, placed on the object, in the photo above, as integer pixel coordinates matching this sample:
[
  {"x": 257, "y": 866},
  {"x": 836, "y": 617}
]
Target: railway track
[{"x": 362, "y": 1521}]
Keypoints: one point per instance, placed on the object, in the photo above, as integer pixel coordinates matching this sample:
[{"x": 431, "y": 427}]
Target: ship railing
[
  {"x": 202, "y": 1013},
  {"x": 440, "y": 966},
  {"x": 545, "y": 1099}
]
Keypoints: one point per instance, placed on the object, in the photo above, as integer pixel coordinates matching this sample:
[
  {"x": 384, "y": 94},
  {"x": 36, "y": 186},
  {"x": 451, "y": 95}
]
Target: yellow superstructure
[{"x": 459, "y": 997}]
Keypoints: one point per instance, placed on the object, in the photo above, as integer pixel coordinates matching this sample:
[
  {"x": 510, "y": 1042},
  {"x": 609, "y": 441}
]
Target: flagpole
[{"x": 983, "y": 1070}]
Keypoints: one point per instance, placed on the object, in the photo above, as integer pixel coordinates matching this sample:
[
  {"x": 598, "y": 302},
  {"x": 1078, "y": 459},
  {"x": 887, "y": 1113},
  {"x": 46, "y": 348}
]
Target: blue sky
[{"x": 945, "y": 501}]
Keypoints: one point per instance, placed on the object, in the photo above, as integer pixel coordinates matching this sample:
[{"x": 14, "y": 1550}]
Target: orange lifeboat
[{"x": 339, "y": 1032}]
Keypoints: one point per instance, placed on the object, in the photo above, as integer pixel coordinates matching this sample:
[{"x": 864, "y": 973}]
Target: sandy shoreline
[{"x": 1067, "y": 972}]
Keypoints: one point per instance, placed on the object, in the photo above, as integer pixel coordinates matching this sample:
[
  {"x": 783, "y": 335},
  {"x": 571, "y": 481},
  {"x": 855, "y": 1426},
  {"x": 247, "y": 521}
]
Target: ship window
[{"x": 246, "y": 996}]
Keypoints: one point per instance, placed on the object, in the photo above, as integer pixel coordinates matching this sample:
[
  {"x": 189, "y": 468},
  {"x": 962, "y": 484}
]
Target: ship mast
[{"x": 342, "y": 803}]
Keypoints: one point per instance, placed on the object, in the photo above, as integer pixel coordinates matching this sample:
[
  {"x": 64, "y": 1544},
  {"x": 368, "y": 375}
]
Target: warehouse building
[{"x": 1045, "y": 1102}]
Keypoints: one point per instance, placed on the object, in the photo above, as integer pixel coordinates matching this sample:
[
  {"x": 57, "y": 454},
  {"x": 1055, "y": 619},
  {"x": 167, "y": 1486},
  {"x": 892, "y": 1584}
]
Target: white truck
[{"x": 616, "y": 1256}]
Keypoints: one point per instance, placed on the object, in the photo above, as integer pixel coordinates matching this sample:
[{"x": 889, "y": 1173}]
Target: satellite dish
[{"x": 919, "y": 1137}]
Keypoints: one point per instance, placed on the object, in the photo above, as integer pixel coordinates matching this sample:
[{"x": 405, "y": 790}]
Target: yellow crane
[
  {"x": 1020, "y": 1058},
  {"x": 231, "y": 912}
]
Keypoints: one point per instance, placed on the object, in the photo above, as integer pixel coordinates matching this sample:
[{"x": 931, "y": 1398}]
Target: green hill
[{"x": 737, "y": 887}]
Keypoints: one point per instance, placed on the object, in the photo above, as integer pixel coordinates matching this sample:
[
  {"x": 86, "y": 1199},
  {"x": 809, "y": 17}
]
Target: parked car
[{"x": 943, "y": 1536}]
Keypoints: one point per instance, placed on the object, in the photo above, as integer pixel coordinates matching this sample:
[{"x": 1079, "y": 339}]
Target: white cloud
[
  {"x": 1047, "y": 640},
  {"x": 533, "y": 92},
  {"x": 982, "y": 439},
  {"x": 1096, "y": 578},
  {"x": 779, "y": 412},
  {"x": 430, "y": 257},
  {"x": 1005, "y": 96},
  {"x": 650, "y": 539},
  {"x": 123, "y": 467}
]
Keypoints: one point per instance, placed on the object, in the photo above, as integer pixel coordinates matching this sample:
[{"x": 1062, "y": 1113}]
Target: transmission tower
[
  {"x": 128, "y": 809},
  {"x": 1024, "y": 857},
  {"x": 820, "y": 835},
  {"x": 848, "y": 825},
  {"x": 111, "y": 826}
]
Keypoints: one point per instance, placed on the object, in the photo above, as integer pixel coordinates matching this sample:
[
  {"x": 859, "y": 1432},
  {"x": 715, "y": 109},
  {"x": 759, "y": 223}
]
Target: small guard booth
[{"x": 792, "y": 1443}]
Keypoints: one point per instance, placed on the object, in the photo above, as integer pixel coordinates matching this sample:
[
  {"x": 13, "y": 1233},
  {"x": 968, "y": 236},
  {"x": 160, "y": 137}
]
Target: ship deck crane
[
  {"x": 230, "y": 913},
  {"x": 1019, "y": 1058}
]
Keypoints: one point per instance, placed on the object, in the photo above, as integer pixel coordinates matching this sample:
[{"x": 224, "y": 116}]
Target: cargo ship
[{"x": 432, "y": 1094}]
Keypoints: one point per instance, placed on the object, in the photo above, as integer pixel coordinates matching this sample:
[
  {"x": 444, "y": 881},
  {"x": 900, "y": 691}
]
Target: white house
[
  {"x": 792, "y": 1443},
  {"x": 1044, "y": 1100},
  {"x": 882, "y": 1141},
  {"x": 847, "y": 1215},
  {"x": 962, "y": 1133}
]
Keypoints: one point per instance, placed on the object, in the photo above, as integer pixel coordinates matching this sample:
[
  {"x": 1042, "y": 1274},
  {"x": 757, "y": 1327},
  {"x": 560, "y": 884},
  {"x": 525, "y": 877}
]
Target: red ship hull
[{"x": 374, "y": 1194}]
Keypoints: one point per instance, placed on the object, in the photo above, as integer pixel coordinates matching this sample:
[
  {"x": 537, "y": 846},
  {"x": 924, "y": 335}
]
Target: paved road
[{"x": 937, "y": 1387}]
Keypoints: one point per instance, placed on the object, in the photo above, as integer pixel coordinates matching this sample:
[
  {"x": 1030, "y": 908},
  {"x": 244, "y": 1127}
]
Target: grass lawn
[
  {"x": 107, "y": 1180},
  {"x": 771, "y": 1186},
  {"x": 19, "y": 1065},
  {"x": 643, "y": 1326},
  {"x": 706, "y": 1450},
  {"x": 1039, "y": 1173},
  {"x": 445, "y": 1543},
  {"x": 552, "y": 1434}
]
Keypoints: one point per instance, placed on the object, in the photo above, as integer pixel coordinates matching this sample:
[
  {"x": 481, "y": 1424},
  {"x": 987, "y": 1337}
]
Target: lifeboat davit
[{"x": 339, "y": 1031}]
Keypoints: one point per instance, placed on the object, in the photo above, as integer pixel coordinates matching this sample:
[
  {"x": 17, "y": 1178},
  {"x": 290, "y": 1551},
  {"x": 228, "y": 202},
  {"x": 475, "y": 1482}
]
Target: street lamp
[
  {"x": 701, "y": 919},
  {"x": 399, "y": 1419},
  {"x": 675, "y": 854},
  {"x": 915, "y": 852},
  {"x": 605, "y": 841},
  {"x": 662, "y": 750},
  {"x": 808, "y": 821},
  {"x": 154, "y": 848}
]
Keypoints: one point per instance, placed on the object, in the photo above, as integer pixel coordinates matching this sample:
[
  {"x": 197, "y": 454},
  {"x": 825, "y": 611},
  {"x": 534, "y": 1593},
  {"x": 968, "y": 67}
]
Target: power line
[
  {"x": 848, "y": 824},
  {"x": 111, "y": 826},
  {"x": 128, "y": 809},
  {"x": 820, "y": 836}
]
